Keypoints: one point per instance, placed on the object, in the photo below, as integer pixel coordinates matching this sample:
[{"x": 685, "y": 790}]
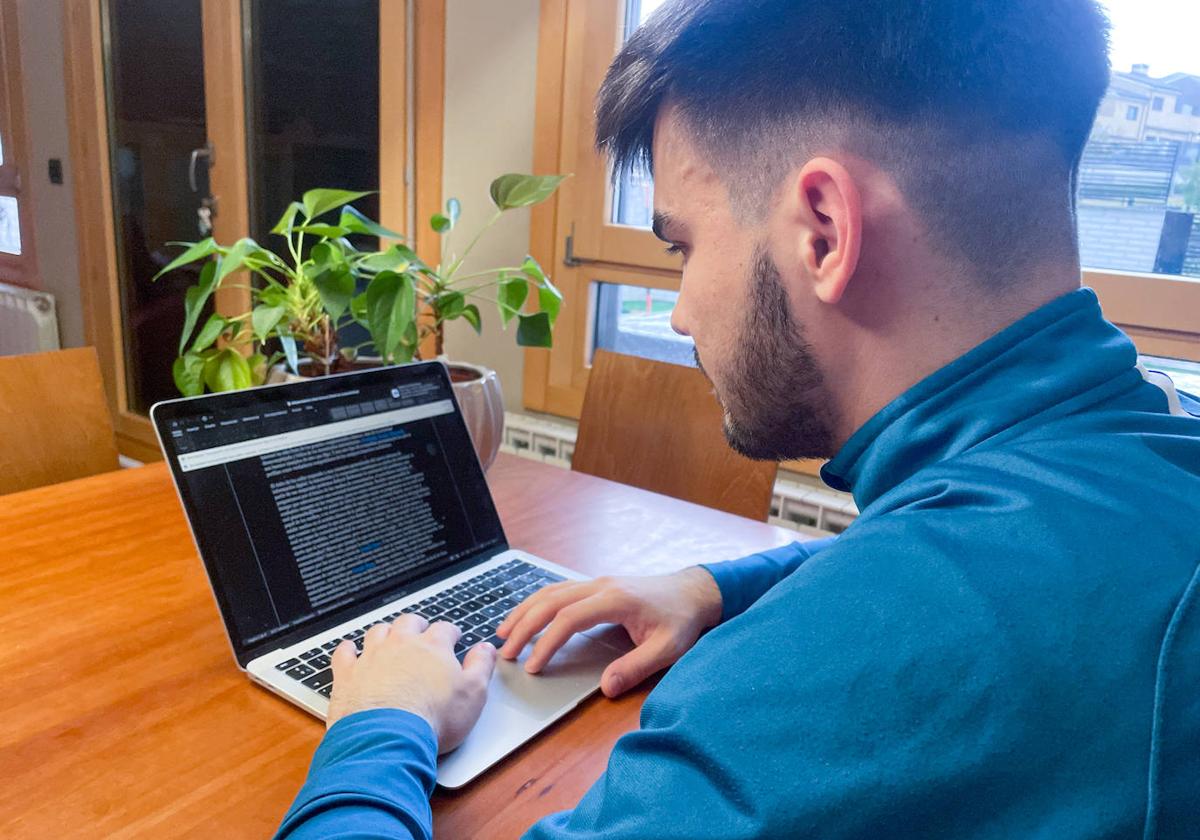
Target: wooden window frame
[{"x": 574, "y": 237}]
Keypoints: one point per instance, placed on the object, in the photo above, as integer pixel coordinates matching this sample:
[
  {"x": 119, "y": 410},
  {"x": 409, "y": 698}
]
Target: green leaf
[
  {"x": 550, "y": 300},
  {"x": 319, "y": 202},
  {"x": 211, "y": 332},
  {"x": 533, "y": 270},
  {"x": 228, "y": 370},
  {"x": 534, "y": 330},
  {"x": 391, "y": 310},
  {"x": 272, "y": 296},
  {"x": 289, "y": 350},
  {"x": 195, "y": 252},
  {"x": 259, "y": 368},
  {"x": 470, "y": 314},
  {"x": 188, "y": 372},
  {"x": 408, "y": 347},
  {"x": 513, "y": 190},
  {"x": 288, "y": 222},
  {"x": 335, "y": 285},
  {"x": 328, "y": 231},
  {"x": 397, "y": 258},
  {"x": 450, "y": 305},
  {"x": 510, "y": 297},
  {"x": 358, "y": 308},
  {"x": 193, "y": 302},
  {"x": 264, "y": 320},
  {"x": 453, "y": 211},
  {"x": 440, "y": 223},
  {"x": 356, "y": 222},
  {"x": 233, "y": 330},
  {"x": 235, "y": 258}
]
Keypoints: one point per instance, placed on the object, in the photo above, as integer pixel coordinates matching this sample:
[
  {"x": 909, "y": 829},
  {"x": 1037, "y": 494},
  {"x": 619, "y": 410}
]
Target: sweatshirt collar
[{"x": 1059, "y": 351}]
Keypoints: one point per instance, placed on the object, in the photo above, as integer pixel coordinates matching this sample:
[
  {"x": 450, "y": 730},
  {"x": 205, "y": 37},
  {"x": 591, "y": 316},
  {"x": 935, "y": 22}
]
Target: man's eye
[{"x": 674, "y": 249}]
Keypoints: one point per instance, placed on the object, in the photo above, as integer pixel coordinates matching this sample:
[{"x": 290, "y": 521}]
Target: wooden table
[{"x": 126, "y": 715}]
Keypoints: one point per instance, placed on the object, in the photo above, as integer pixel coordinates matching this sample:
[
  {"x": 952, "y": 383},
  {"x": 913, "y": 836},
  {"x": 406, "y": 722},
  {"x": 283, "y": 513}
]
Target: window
[
  {"x": 633, "y": 197},
  {"x": 637, "y": 321},
  {"x": 1139, "y": 187},
  {"x": 1138, "y": 199}
]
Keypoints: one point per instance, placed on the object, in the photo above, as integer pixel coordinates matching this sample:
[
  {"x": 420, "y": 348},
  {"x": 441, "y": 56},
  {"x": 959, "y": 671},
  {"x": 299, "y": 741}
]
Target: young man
[{"x": 874, "y": 202}]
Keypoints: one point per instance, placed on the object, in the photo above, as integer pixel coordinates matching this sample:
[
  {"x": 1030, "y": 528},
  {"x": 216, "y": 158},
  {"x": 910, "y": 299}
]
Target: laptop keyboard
[{"x": 476, "y": 606}]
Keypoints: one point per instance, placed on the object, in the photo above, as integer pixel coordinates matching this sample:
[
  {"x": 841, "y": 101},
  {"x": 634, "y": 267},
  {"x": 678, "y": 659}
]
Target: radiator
[{"x": 28, "y": 321}]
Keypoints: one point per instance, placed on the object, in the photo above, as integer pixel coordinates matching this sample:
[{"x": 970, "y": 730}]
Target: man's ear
[{"x": 828, "y": 208}]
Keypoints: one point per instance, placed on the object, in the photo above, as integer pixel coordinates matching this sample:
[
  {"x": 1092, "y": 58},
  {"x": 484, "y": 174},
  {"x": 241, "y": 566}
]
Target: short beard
[{"x": 776, "y": 405}]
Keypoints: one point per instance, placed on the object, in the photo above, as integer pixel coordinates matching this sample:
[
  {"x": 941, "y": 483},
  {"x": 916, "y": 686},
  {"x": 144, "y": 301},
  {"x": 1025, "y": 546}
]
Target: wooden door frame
[
  {"x": 89, "y": 119},
  {"x": 20, "y": 270},
  {"x": 87, "y": 111}
]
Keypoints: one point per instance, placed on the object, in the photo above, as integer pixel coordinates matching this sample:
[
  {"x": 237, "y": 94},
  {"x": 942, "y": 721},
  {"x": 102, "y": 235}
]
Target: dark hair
[{"x": 977, "y": 107}]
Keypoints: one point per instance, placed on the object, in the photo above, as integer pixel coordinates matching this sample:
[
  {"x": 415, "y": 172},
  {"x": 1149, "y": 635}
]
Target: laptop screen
[{"x": 310, "y": 498}]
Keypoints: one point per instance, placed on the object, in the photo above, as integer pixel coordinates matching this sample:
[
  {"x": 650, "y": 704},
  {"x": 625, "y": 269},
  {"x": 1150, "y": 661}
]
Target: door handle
[{"x": 208, "y": 154}]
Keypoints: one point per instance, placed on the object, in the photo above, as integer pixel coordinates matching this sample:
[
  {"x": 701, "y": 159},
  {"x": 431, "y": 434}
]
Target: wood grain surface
[{"x": 127, "y": 716}]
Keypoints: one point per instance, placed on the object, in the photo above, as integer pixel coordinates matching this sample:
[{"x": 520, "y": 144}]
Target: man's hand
[
  {"x": 664, "y": 615},
  {"x": 410, "y": 665}
]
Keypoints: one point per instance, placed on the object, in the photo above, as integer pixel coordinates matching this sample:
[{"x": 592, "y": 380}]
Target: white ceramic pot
[{"x": 478, "y": 392}]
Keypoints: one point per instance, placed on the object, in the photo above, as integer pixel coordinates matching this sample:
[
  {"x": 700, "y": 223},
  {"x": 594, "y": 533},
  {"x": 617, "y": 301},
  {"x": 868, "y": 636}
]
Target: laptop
[{"x": 325, "y": 506}]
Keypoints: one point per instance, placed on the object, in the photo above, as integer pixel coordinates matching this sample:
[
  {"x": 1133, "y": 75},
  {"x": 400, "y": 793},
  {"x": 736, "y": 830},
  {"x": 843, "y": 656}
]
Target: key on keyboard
[{"x": 477, "y": 605}]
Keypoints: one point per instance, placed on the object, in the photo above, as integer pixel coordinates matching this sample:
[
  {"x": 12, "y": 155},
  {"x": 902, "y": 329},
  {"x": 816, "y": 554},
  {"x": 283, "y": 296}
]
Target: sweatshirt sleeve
[
  {"x": 744, "y": 581},
  {"x": 371, "y": 777}
]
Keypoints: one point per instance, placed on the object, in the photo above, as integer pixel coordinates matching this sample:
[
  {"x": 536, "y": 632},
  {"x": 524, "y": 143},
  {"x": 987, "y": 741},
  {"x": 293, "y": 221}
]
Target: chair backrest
[
  {"x": 54, "y": 422},
  {"x": 658, "y": 426}
]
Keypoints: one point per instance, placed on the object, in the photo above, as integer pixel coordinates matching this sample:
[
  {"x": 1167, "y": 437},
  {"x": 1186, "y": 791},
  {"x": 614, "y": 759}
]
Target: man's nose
[{"x": 678, "y": 322}]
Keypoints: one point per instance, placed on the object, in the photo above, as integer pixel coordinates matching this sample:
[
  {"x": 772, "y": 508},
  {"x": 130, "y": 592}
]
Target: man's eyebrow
[{"x": 661, "y": 222}]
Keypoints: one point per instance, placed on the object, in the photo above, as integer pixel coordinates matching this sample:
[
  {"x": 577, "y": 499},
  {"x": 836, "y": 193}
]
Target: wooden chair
[
  {"x": 54, "y": 421},
  {"x": 658, "y": 426}
]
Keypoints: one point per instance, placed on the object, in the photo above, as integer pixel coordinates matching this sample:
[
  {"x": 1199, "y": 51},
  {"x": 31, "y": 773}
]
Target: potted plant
[{"x": 299, "y": 305}]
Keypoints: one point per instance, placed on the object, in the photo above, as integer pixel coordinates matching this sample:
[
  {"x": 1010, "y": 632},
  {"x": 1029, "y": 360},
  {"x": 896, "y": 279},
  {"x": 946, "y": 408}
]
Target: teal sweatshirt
[{"x": 1006, "y": 643}]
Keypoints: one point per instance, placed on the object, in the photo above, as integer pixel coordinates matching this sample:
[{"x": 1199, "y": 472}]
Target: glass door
[
  {"x": 313, "y": 103},
  {"x": 197, "y": 118},
  {"x": 160, "y": 151}
]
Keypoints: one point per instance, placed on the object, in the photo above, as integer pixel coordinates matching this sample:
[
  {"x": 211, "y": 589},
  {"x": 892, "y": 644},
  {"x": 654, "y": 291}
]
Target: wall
[
  {"x": 491, "y": 63},
  {"x": 46, "y": 122}
]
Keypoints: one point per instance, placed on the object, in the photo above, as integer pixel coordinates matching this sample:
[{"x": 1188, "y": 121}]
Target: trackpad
[
  {"x": 520, "y": 704},
  {"x": 572, "y": 673}
]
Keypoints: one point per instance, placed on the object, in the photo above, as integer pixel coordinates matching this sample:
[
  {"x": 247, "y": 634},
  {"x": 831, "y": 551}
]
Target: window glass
[
  {"x": 636, "y": 320},
  {"x": 633, "y": 197},
  {"x": 1139, "y": 183}
]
